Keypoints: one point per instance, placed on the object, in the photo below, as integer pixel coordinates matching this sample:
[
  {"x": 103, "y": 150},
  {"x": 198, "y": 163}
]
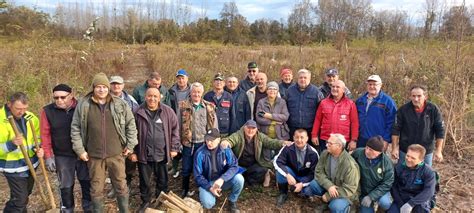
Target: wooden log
[
  {"x": 169, "y": 206},
  {"x": 175, "y": 202}
]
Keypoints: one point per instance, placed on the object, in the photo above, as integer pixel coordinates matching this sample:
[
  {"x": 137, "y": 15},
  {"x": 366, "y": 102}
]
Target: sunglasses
[
  {"x": 60, "y": 97},
  {"x": 252, "y": 71}
]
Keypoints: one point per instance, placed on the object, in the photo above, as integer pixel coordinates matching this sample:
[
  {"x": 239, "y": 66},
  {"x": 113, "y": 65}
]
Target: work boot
[
  {"x": 283, "y": 188},
  {"x": 122, "y": 203},
  {"x": 233, "y": 207},
  {"x": 97, "y": 205},
  {"x": 266, "y": 181},
  {"x": 185, "y": 185}
]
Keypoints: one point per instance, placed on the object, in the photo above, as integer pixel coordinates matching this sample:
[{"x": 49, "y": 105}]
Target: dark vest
[{"x": 60, "y": 128}]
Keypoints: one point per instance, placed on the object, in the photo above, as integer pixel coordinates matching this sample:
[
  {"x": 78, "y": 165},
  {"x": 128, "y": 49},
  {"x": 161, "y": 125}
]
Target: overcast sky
[{"x": 251, "y": 9}]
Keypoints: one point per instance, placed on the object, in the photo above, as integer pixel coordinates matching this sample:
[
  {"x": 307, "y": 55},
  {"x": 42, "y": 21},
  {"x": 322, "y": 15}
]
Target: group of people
[{"x": 316, "y": 140}]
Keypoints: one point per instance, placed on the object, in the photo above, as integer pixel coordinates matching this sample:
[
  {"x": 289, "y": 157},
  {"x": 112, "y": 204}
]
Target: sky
[{"x": 251, "y": 9}]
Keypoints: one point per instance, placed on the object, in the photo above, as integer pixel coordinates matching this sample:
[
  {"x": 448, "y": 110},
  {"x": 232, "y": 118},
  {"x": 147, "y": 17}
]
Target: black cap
[
  {"x": 376, "y": 143},
  {"x": 212, "y": 134},
  {"x": 332, "y": 71},
  {"x": 62, "y": 87},
  {"x": 219, "y": 76},
  {"x": 251, "y": 123},
  {"x": 252, "y": 65}
]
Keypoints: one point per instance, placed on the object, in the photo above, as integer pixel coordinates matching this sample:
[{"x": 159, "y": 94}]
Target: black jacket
[{"x": 418, "y": 130}]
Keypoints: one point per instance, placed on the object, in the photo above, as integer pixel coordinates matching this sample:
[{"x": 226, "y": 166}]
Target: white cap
[
  {"x": 375, "y": 78},
  {"x": 116, "y": 79}
]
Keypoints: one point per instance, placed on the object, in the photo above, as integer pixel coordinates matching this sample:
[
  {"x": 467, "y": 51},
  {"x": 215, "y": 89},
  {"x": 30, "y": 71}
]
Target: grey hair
[
  {"x": 197, "y": 85},
  {"x": 18, "y": 96},
  {"x": 340, "y": 139},
  {"x": 304, "y": 71}
]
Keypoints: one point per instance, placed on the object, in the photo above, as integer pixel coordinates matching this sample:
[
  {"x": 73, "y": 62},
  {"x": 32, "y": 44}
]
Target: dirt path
[{"x": 136, "y": 66}]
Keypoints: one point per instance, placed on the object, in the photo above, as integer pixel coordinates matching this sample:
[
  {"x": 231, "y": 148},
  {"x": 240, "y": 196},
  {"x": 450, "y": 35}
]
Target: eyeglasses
[
  {"x": 252, "y": 71},
  {"x": 60, "y": 97}
]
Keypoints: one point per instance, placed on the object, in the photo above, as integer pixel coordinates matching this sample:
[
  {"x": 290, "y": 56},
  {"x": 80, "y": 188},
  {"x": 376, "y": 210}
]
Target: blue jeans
[
  {"x": 236, "y": 184},
  {"x": 428, "y": 158},
  {"x": 188, "y": 158},
  {"x": 384, "y": 202},
  {"x": 339, "y": 205},
  {"x": 313, "y": 188}
]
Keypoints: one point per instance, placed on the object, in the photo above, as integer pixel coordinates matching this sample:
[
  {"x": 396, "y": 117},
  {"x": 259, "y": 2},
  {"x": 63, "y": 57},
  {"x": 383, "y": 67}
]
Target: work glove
[
  {"x": 366, "y": 201},
  {"x": 51, "y": 164},
  {"x": 406, "y": 208}
]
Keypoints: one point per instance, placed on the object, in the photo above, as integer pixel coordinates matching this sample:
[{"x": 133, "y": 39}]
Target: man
[
  {"x": 216, "y": 169},
  {"x": 247, "y": 145},
  {"x": 418, "y": 122},
  {"x": 258, "y": 92},
  {"x": 414, "y": 185},
  {"x": 286, "y": 76},
  {"x": 103, "y": 131},
  {"x": 158, "y": 143},
  {"x": 376, "y": 112},
  {"x": 178, "y": 92},
  {"x": 295, "y": 166},
  {"x": 116, "y": 88},
  {"x": 376, "y": 175},
  {"x": 154, "y": 80},
  {"x": 197, "y": 117},
  {"x": 55, "y": 128},
  {"x": 249, "y": 81},
  {"x": 222, "y": 100},
  {"x": 302, "y": 101},
  {"x": 336, "y": 114},
  {"x": 338, "y": 173},
  {"x": 12, "y": 162},
  {"x": 241, "y": 107},
  {"x": 332, "y": 75}
]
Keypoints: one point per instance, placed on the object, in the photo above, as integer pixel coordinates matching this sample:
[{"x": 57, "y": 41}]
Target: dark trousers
[
  {"x": 130, "y": 168},
  {"x": 322, "y": 146},
  {"x": 20, "y": 189},
  {"x": 255, "y": 174},
  {"x": 188, "y": 158},
  {"x": 67, "y": 169},
  {"x": 161, "y": 177}
]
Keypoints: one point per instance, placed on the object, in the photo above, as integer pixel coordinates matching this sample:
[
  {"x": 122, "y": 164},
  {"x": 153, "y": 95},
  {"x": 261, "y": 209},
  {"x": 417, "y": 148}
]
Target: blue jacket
[
  {"x": 415, "y": 186},
  {"x": 379, "y": 119},
  {"x": 287, "y": 158},
  {"x": 240, "y": 109},
  {"x": 302, "y": 105},
  {"x": 227, "y": 166},
  {"x": 223, "y": 109}
]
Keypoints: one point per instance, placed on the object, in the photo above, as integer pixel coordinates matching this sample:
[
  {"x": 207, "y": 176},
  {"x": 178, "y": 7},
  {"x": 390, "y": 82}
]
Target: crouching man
[
  {"x": 295, "y": 166},
  {"x": 216, "y": 169}
]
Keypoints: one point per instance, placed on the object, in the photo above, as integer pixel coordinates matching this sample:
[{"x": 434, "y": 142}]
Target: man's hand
[
  {"x": 84, "y": 157},
  {"x": 225, "y": 144},
  {"x": 287, "y": 143},
  {"x": 298, "y": 187},
  {"x": 18, "y": 140},
  {"x": 39, "y": 152},
  {"x": 406, "y": 208},
  {"x": 51, "y": 164},
  {"x": 173, "y": 154},
  {"x": 385, "y": 145},
  {"x": 290, "y": 179},
  {"x": 438, "y": 156},
  {"x": 133, "y": 157},
  {"x": 126, "y": 152},
  {"x": 366, "y": 201},
  {"x": 352, "y": 145},
  {"x": 333, "y": 191},
  {"x": 395, "y": 154},
  {"x": 315, "y": 141},
  {"x": 215, "y": 191},
  {"x": 219, "y": 182},
  {"x": 324, "y": 198}
]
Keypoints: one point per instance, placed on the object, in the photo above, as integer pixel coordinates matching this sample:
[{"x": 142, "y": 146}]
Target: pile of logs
[{"x": 173, "y": 203}]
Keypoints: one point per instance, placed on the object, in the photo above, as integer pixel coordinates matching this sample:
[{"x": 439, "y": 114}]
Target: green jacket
[
  {"x": 123, "y": 120},
  {"x": 139, "y": 94},
  {"x": 346, "y": 179},
  {"x": 237, "y": 143},
  {"x": 375, "y": 180}
]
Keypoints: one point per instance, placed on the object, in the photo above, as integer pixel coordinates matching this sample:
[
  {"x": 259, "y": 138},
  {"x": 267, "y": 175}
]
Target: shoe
[
  {"x": 233, "y": 207},
  {"x": 266, "y": 181},
  {"x": 281, "y": 199},
  {"x": 176, "y": 174}
]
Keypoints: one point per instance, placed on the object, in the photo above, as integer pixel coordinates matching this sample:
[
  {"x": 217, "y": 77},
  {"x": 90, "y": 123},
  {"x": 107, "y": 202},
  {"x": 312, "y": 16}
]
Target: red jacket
[{"x": 340, "y": 117}]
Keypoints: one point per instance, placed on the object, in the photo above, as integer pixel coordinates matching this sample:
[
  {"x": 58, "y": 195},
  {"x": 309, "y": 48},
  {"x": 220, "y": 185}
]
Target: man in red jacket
[{"x": 336, "y": 114}]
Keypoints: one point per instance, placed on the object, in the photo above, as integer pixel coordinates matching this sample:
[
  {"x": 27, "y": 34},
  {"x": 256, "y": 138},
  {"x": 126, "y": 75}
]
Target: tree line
[{"x": 308, "y": 22}]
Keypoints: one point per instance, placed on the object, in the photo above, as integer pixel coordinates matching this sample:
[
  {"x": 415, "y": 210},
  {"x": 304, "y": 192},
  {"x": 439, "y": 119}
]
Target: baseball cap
[
  {"x": 252, "y": 65},
  {"x": 116, "y": 79},
  {"x": 219, "y": 76},
  {"x": 251, "y": 123},
  {"x": 181, "y": 72},
  {"x": 375, "y": 78},
  {"x": 332, "y": 71},
  {"x": 212, "y": 134}
]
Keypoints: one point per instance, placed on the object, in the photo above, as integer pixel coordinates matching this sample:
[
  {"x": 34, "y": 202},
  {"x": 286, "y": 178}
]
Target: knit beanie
[
  {"x": 100, "y": 79},
  {"x": 376, "y": 143}
]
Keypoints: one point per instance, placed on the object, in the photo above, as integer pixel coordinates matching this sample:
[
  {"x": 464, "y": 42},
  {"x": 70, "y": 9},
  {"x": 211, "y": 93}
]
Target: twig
[
  {"x": 222, "y": 207},
  {"x": 450, "y": 179}
]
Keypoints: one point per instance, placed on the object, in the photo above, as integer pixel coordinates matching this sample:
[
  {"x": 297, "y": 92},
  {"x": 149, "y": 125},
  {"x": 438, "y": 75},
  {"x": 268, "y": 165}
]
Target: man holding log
[{"x": 13, "y": 164}]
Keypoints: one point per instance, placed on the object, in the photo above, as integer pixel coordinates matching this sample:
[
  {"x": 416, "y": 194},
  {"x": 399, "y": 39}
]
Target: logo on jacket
[
  {"x": 418, "y": 181},
  {"x": 343, "y": 117},
  {"x": 379, "y": 170},
  {"x": 308, "y": 164}
]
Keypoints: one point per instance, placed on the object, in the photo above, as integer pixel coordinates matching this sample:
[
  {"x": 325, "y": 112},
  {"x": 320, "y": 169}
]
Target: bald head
[
  {"x": 152, "y": 98},
  {"x": 261, "y": 81}
]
